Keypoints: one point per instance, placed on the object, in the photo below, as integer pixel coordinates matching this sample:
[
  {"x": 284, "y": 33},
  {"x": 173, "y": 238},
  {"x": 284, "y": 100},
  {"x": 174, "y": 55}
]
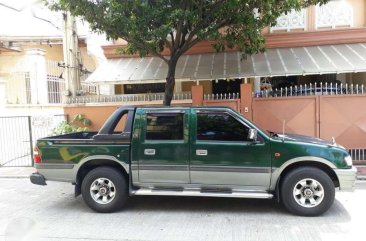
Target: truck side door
[
  {"x": 221, "y": 153},
  {"x": 163, "y": 149}
]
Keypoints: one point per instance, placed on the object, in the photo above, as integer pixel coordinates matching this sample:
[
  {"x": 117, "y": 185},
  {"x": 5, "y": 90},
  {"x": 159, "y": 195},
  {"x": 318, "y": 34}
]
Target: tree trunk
[{"x": 170, "y": 81}]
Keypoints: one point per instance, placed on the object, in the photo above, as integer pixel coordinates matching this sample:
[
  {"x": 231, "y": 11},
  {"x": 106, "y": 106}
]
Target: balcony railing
[{"x": 126, "y": 98}]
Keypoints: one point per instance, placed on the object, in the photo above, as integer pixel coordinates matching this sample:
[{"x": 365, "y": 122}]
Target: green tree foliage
[
  {"x": 78, "y": 124},
  {"x": 149, "y": 26}
]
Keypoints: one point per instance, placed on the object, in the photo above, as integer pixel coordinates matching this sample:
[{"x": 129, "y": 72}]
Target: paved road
[{"x": 52, "y": 213}]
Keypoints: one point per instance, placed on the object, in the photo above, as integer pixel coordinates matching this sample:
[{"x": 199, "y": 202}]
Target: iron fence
[
  {"x": 88, "y": 88},
  {"x": 314, "y": 89},
  {"x": 55, "y": 87},
  {"x": 358, "y": 155},
  {"x": 19, "y": 134},
  {"x": 225, "y": 96},
  {"x": 126, "y": 98}
]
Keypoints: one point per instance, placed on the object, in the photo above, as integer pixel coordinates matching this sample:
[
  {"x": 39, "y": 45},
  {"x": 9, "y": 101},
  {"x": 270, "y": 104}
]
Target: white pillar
[
  {"x": 36, "y": 62},
  {"x": 178, "y": 87},
  {"x": 106, "y": 89},
  {"x": 257, "y": 84},
  {"x": 2, "y": 95}
]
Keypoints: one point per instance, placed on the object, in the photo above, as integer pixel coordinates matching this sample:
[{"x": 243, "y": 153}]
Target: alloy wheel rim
[
  {"x": 102, "y": 190},
  {"x": 308, "y": 193}
]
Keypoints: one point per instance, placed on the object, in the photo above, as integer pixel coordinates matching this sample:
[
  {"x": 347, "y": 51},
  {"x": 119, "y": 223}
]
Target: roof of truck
[{"x": 168, "y": 107}]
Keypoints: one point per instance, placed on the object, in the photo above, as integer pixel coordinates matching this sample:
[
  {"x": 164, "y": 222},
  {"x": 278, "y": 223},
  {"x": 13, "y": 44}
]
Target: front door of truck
[
  {"x": 221, "y": 153},
  {"x": 163, "y": 152}
]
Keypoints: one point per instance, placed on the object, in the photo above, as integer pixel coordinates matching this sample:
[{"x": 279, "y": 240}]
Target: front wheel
[
  {"x": 307, "y": 191},
  {"x": 104, "y": 189}
]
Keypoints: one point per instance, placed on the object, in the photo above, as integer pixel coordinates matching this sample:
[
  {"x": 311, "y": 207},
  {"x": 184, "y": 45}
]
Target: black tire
[
  {"x": 119, "y": 189},
  {"x": 295, "y": 203}
]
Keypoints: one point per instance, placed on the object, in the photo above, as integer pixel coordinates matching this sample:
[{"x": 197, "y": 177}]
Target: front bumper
[
  {"x": 347, "y": 178},
  {"x": 37, "y": 179}
]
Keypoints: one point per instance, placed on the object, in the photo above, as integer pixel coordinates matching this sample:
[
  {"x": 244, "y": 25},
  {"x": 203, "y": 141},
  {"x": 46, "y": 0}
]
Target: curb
[
  {"x": 14, "y": 177},
  {"x": 17, "y": 177}
]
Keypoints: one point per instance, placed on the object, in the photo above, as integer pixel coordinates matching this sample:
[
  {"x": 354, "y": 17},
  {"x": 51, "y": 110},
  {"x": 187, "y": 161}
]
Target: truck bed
[
  {"x": 72, "y": 136},
  {"x": 88, "y": 137}
]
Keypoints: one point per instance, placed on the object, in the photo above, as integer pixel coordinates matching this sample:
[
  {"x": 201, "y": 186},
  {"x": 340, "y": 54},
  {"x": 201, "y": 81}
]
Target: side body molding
[
  {"x": 276, "y": 172},
  {"x": 100, "y": 157}
]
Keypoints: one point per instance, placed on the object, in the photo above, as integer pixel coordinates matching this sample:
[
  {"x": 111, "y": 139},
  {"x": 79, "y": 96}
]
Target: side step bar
[{"x": 198, "y": 193}]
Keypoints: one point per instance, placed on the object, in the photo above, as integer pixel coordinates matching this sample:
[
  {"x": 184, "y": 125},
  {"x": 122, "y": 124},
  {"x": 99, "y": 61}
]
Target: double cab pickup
[{"x": 194, "y": 151}]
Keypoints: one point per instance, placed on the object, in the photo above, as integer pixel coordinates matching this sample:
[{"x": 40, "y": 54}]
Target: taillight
[{"x": 36, "y": 156}]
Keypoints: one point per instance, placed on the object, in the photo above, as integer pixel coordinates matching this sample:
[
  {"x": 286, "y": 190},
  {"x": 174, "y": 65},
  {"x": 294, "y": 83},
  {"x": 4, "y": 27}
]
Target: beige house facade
[
  {"x": 32, "y": 69},
  {"x": 327, "y": 41}
]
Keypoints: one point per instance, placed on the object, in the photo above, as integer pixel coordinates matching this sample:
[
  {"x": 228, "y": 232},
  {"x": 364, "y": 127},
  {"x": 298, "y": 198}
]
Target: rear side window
[
  {"x": 220, "y": 127},
  {"x": 164, "y": 126}
]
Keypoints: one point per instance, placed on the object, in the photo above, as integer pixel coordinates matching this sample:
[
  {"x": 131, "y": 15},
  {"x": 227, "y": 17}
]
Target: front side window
[
  {"x": 220, "y": 127},
  {"x": 164, "y": 126}
]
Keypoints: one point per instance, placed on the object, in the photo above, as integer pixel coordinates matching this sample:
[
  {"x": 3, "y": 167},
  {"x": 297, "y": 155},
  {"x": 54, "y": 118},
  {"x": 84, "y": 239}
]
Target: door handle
[
  {"x": 149, "y": 152},
  {"x": 201, "y": 152}
]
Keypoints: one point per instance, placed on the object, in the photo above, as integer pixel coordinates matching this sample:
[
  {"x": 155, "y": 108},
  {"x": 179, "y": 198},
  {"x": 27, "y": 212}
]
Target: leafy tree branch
[{"x": 150, "y": 26}]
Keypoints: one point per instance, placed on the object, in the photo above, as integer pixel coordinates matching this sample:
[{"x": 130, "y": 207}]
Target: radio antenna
[{"x": 283, "y": 130}]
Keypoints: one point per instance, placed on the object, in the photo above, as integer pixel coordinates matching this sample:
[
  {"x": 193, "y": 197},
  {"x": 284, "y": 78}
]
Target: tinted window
[
  {"x": 164, "y": 126},
  {"x": 220, "y": 127}
]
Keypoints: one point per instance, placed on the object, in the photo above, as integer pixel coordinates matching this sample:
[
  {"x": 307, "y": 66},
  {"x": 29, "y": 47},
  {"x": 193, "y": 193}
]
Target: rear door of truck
[{"x": 161, "y": 145}]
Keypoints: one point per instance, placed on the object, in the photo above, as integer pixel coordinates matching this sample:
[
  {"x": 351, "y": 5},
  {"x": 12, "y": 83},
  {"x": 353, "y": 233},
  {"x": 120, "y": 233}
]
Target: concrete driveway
[{"x": 52, "y": 213}]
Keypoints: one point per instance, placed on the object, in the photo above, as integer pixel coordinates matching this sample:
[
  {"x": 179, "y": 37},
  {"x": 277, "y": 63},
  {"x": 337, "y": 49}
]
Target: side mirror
[{"x": 252, "y": 134}]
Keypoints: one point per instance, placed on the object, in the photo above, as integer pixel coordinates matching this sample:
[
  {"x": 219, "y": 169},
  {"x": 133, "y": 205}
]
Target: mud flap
[{"x": 77, "y": 189}]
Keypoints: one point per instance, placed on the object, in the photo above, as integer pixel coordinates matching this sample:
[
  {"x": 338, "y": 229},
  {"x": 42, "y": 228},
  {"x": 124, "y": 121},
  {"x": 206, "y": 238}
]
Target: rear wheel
[
  {"x": 104, "y": 189},
  {"x": 307, "y": 191}
]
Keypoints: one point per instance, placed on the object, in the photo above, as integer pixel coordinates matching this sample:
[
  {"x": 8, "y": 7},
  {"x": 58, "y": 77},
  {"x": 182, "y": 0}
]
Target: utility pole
[{"x": 71, "y": 56}]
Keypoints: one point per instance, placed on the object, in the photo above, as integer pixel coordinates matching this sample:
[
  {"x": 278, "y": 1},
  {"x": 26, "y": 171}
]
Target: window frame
[
  {"x": 162, "y": 112},
  {"x": 208, "y": 112}
]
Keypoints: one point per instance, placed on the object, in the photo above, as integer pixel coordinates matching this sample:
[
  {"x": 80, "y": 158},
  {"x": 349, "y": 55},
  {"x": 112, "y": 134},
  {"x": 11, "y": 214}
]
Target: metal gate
[{"x": 18, "y": 135}]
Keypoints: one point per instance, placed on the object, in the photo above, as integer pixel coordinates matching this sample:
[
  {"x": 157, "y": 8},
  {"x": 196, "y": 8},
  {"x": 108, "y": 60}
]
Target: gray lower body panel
[
  {"x": 163, "y": 173},
  {"x": 347, "y": 178},
  {"x": 260, "y": 180},
  {"x": 57, "y": 172}
]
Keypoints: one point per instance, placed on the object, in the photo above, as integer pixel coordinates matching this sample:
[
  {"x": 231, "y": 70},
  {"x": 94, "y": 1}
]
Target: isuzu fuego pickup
[{"x": 194, "y": 151}]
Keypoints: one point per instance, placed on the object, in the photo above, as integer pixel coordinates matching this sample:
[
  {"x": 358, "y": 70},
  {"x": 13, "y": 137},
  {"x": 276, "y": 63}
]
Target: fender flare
[
  {"x": 77, "y": 167},
  {"x": 276, "y": 172}
]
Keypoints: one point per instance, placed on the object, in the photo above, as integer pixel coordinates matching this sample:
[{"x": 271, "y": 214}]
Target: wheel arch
[
  {"x": 88, "y": 164},
  {"x": 322, "y": 164}
]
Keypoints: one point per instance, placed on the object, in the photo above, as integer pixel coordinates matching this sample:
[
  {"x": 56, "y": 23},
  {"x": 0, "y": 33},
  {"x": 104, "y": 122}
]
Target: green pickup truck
[{"x": 194, "y": 151}]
